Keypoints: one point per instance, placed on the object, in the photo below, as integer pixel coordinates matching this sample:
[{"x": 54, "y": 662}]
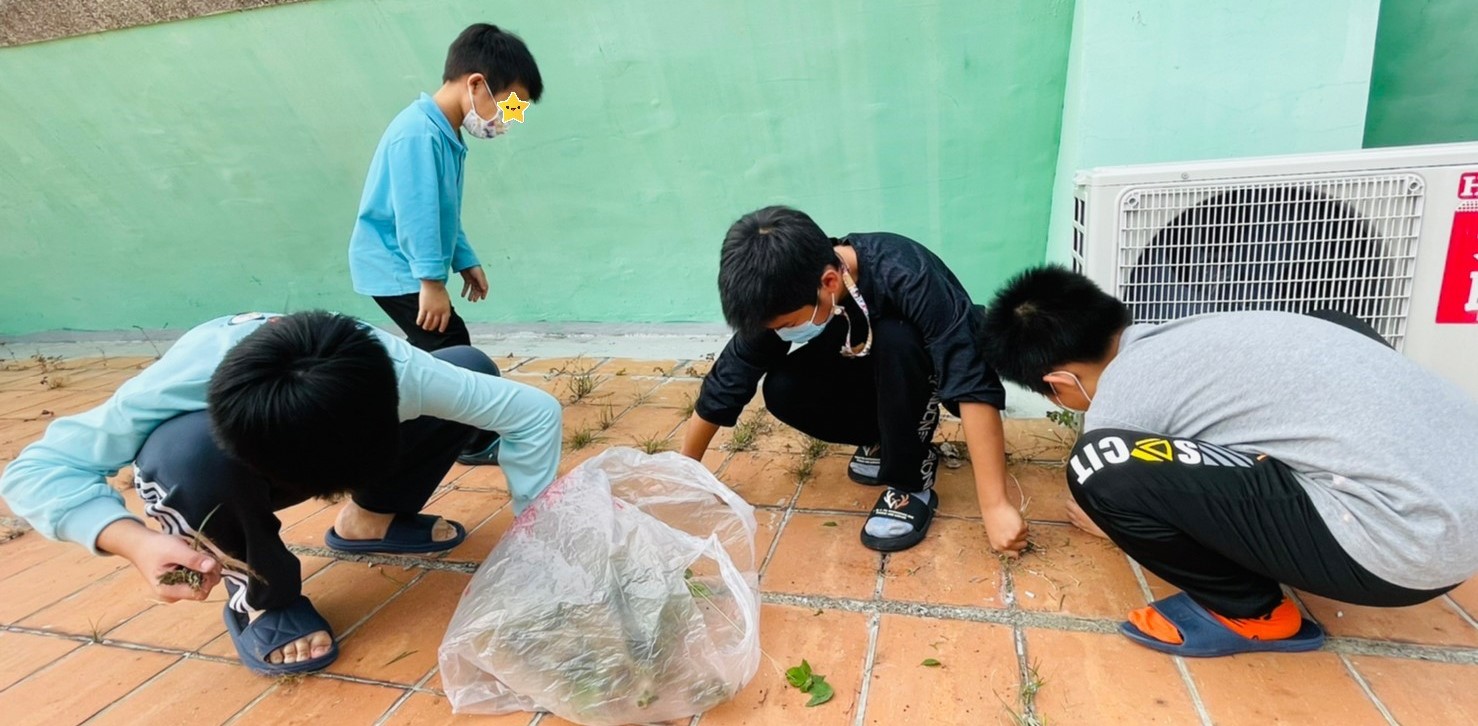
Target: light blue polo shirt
[
  {"x": 409, "y": 226},
  {"x": 59, "y": 484}
]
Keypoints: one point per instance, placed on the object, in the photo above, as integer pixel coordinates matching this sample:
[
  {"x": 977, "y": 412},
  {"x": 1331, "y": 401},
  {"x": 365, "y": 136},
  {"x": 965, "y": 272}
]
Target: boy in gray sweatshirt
[{"x": 1234, "y": 453}]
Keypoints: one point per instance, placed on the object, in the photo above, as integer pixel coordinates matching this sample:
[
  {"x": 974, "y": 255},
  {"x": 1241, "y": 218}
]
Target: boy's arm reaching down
[
  {"x": 527, "y": 420},
  {"x": 986, "y": 440}
]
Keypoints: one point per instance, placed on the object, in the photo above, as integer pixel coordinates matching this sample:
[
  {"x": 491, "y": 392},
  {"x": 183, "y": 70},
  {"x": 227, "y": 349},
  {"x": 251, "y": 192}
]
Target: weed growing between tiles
[
  {"x": 1031, "y": 684},
  {"x": 748, "y": 431},
  {"x": 815, "y": 449},
  {"x": 654, "y": 444},
  {"x": 580, "y": 379},
  {"x": 581, "y": 438}
]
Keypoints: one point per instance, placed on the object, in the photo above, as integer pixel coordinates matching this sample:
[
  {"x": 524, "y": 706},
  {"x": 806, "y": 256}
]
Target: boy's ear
[
  {"x": 831, "y": 280},
  {"x": 1059, "y": 378}
]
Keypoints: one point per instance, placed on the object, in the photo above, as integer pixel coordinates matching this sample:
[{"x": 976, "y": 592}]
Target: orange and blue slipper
[{"x": 1179, "y": 625}]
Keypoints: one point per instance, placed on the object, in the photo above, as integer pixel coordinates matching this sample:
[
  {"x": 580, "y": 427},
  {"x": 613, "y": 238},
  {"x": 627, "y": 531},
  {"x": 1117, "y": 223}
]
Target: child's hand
[
  {"x": 436, "y": 307},
  {"x": 1005, "y": 528},
  {"x": 155, "y": 553},
  {"x": 474, "y": 284}
]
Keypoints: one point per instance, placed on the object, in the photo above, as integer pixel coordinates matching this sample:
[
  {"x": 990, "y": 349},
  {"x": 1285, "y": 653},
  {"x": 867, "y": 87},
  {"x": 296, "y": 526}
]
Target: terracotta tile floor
[{"x": 1030, "y": 641}]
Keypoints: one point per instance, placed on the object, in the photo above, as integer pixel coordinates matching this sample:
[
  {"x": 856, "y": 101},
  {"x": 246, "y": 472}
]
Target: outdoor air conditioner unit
[{"x": 1388, "y": 235}]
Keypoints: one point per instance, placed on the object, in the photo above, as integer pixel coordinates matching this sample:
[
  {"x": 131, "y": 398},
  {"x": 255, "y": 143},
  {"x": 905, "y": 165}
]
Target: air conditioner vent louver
[
  {"x": 1344, "y": 243},
  {"x": 1080, "y": 221}
]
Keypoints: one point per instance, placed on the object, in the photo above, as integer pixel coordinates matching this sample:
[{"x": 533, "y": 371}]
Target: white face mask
[
  {"x": 807, "y": 331},
  {"x": 1081, "y": 389},
  {"x": 479, "y": 127}
]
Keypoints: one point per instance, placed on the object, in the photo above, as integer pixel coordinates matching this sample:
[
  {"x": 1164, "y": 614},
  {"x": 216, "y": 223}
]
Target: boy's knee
[
  {"x": 785, "y": 395},
  {"x": 548, "y": 413},
  {"x": 469, "y": 358}
]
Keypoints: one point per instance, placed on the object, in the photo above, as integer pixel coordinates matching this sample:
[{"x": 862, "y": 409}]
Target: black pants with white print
[
  {"x": 1225, "y": 527},
  {"x": 887, "y": 398},
  {"x": 183, "y": 477}
]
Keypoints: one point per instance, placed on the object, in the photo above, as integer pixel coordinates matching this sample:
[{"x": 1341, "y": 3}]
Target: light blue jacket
[
  {"x": 58, "y": 484},
  {"x": 409, "y": 226}
]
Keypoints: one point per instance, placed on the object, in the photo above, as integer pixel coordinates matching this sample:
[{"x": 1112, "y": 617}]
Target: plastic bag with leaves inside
[{"x": 626, "y": 593}]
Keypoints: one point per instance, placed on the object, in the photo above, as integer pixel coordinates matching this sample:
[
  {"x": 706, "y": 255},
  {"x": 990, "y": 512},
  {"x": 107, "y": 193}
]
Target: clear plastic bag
[{"x": 626, "y": 593}]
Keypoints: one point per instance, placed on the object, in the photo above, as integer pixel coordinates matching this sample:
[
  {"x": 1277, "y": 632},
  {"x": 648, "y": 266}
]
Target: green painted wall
[
  {"x": 1424, "y": 88},
  {"x": 162, "y": 175},
  {"x": 1174, "y": 80}
]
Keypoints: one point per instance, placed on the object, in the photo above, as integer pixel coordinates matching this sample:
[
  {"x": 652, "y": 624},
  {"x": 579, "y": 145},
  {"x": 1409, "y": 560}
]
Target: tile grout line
[
  {"x": 105, "y": 709},
  {"x": 1185, "y": 671},
  {"x": 204, "y": 658},
  {"x": 874, "y": 626},
  {"x": 1369, "y": 692},
  {"x": 235, "y": 717},
  {"x": 352, "y": 629},
  {"x": 1447, "y": 598},
  {"x": 71, "y": 593},
  {"x": 394, "y": 707},
  {"x": 1018, "y": 639}
]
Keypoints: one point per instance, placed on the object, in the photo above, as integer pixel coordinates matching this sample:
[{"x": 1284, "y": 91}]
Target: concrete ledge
[
  {"x": 33, "y": 21},
  {"x": 641, "y": 341}
]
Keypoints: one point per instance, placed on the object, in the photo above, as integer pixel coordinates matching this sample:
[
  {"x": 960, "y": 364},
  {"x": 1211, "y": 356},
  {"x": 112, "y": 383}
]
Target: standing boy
[
  {"x": 1234, "y": 453},
  {"x": 885, "y": 334},
  {"x": 409, "y": 229},
  {"x": 248, "y": 415}
]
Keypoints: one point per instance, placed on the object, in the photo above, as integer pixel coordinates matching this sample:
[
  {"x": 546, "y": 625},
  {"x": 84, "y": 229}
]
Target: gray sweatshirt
[{"x": 1387, "y": 451}]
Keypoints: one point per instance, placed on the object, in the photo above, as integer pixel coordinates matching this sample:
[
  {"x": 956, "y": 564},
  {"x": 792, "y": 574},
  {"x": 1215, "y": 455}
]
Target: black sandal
[{"x": 905, "y": 507}]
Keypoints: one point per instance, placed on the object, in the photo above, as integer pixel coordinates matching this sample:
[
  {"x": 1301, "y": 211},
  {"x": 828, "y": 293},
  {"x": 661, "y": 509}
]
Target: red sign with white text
[
  {"x": 1467, "y": 186},
  {"x": 1457, "y": 300}
]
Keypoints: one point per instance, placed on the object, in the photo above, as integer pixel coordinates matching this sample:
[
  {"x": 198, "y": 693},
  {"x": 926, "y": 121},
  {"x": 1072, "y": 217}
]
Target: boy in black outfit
[{"x": 858, "y": 341}]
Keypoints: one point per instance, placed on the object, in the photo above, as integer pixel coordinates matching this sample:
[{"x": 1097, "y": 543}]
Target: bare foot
[
  {"x": 1079, "y": 518},
  {"x": 356, "y": 523},
  {"x": 315, "y": 645}
]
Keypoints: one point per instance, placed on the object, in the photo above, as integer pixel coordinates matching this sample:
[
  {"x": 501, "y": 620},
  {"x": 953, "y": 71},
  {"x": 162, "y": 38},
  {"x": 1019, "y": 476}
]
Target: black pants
[
  {"x": 403, "y": 309},
  {"x": 887, "y": 398},
  {"x": 1225, "y": 527},
  {"x": 182, "y": 476}
]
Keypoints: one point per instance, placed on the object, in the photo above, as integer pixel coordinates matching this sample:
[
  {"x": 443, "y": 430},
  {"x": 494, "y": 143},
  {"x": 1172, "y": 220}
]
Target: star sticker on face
[{"x": 512, "y": 108}]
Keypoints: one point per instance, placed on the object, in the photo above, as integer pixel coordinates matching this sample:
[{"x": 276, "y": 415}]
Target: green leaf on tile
[{"x": 821, "y": 692}]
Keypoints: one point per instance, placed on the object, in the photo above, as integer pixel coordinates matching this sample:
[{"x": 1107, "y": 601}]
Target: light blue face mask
[{"x": 807, "y": 331}]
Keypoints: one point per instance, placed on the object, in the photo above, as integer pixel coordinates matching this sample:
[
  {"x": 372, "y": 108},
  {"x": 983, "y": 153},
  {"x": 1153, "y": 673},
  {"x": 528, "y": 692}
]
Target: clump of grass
[
  {"x": 580, "y": 378},
  {"x": 580, "y": 386},
  {"x": 95, "y": 630},
  {"x": 290, "y": 679},
  {"x": 815, "y": 449},
  {"x": 607, "y": 417},
  {"x": 581, "y": 438},
  {"x": 748, "y": 431},
  {"x": 641, "y": 397},
  {"x": 690, "y": 405},
  {"x": 655, "y": 444},
  {"x": 1031, "y": 684},
  {"x": 200, "y": 543}
]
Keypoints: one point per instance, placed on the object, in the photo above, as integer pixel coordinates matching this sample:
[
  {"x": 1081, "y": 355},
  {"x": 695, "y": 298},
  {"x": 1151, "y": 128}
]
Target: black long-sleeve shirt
[{"x": 899, "y": 279}]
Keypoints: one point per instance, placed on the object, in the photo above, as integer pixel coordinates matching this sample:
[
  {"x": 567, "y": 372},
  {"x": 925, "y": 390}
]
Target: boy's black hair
[
  {"x": 771, "y": 264},
  {"x": 1045, "y": 318},
  {"x": 308, "y": 400},
  {"x": 497, "y": 54}
]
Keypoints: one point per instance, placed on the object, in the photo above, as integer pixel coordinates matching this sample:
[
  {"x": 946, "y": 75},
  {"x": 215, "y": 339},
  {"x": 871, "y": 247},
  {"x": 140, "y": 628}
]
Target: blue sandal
[
  {"x": 273, "y": 630},
  {"x": 1204, "y": 636},
  {"x": 409, "y": 534}
]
